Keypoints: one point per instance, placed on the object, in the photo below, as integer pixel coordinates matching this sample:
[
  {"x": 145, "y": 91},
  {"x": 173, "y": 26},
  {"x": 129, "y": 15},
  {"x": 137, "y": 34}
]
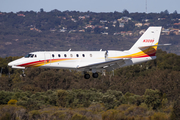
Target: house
[
  {"x": 165, "y": 32},
  {"x": 82, "y": 30},
  {"x": 175, "y": 31},
  {"x": 124, "y": 19},
  {"x": 146, "y": 24},
  {"x": 73, "y": 20},
  {"x": 161, "y": 18},
  {"x": 117, "y": 33},
  {"x": 35, "y": 29},
  {"x": 138, "y": 24},
  {"x": 106, "y": 28},
  {"x": 121, "y": 25},
  {"x": 176, "y": 23},
  {"x": 103, "y": 21},
  {"x": 104, "y": 33},
  {"x": 62, "y": 30},
  {"x": 53, "y": 30},
  {"x": 82, "y": 17},
  {"x": 22, "y": 15},
  {"x": 142, "y": 32}
]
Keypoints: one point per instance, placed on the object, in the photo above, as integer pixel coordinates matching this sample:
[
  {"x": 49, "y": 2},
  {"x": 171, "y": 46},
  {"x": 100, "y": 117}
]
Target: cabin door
[{"x": 47, "y": 59}]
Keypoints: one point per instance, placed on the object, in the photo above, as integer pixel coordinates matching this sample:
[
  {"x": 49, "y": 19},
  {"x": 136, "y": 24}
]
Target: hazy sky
[{"x": 90, "y": 5}]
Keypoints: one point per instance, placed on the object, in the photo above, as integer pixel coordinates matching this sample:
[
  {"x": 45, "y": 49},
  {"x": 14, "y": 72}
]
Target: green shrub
[
  {"x": 113, "y": 115},
  {"x": 78, "y": 117},
  {"x": 153, "y": 98},
  {"x": 5, "y": 116},
  {"x": 61, "y": 97}
]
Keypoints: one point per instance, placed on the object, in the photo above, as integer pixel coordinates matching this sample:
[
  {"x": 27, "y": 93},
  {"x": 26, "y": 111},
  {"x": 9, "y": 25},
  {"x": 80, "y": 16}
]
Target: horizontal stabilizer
[{"x": 140, "y": 47}]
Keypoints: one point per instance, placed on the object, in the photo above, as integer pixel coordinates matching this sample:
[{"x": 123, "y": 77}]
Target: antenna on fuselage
[{"x": 69, "y": 50}]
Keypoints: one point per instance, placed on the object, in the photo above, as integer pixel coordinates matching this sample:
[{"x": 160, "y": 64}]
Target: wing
[{"x": 107, "y": 65}]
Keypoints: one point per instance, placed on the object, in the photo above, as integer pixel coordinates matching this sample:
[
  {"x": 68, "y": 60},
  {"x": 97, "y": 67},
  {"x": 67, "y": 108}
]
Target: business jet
[{"x": 95, "y": 61}]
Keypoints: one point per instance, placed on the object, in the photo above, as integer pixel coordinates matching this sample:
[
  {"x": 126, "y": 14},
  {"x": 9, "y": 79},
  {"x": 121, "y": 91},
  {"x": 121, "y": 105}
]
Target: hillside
[
  {"x": 152, "y": 87},
  {"x": 24, "y": 32},
  {"x": 145, "y": 91}
]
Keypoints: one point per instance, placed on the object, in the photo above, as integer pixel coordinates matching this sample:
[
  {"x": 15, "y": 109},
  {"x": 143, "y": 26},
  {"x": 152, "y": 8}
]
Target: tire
[
  {"x": 86, "y": 76},
  {"x": 95, "y": 75}
]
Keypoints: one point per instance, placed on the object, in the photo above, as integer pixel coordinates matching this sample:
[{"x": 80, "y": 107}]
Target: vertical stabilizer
[{"x": 147, "y": 43}]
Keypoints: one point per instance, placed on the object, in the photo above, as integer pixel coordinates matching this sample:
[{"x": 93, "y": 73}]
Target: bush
[
  {"x": 61, "y": 97},
  {"x": 78, "y": 117},
  {"x": 113, "y": 115},
  {"x": 153, "y": 98},
  {"x": 12, "y": 102}
]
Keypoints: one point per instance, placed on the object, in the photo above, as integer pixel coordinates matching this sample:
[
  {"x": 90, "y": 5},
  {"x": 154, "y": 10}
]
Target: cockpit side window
[{"x": 32, "y": 55}]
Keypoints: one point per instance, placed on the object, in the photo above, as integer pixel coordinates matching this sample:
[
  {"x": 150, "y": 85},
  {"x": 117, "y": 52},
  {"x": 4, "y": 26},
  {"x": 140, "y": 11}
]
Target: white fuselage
[{"x": 74, "y": 59}]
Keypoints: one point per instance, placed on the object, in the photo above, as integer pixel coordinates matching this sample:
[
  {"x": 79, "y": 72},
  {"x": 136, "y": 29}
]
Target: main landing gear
[{"x": 87, "y": 76}]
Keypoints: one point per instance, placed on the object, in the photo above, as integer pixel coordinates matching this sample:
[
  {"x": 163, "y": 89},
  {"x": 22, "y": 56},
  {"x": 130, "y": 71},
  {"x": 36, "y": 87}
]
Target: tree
[
  {"x": 175, "y": 12},
  {"x": 125, "y": 12},
  {"x": 166, "y": 12},
  {"x": 41, "y": 10}
]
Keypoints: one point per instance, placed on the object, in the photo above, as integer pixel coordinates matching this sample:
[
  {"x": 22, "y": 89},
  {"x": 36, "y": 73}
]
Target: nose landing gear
[{"x": 23, "y": 74}]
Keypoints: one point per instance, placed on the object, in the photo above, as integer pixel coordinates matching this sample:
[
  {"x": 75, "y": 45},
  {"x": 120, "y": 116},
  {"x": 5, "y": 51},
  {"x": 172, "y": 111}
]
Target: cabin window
[
  {"x": 65, "y": 55},
  {"x": 52, "y": 55},
  {"x": 83, "y": 55},
  {"x": 71, "y": 55},
  {"x": 90, "y": 55},
  {"x": 35, "y": 56},
  {"x": 59, "y": 55},
  {"x": 77, "y": 55}
]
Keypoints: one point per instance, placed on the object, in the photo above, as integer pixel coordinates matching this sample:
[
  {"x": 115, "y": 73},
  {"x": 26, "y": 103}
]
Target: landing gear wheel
[
  {"x": 95, "y": 75},
  {"x": 86, "y": 76},
  {"x": 23, "y": 74}
]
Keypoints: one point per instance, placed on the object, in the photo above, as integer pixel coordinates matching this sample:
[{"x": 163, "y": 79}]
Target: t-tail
[{"x": 146, "y": 45}]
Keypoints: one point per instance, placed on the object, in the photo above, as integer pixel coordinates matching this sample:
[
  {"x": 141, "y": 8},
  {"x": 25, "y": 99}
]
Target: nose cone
[{"x": 10, "y": 64}]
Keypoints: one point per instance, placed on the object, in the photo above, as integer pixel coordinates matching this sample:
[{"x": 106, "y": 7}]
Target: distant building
[
  {"x": 62, "y": 30},
  {"x": 82, "y": 30},
  {"x": 161, "y": 18},
  {"x": 22, "y": 15},
  {"x": 124, "y": 19},
  {"x": 165, "y": 32},
  {"x": 176, "y": 23},
  {"x": 146, "y": 24},
  {"x": 82, "y": 17},
  {"x": 142, "y": 32},
  {"x": 103, "y": 21},
  {"x": 104, "y": 33},
  {"x": 121, "y": 25},
  {"x": 35, "y": 29},
  {"x": 138, "y": 24}
]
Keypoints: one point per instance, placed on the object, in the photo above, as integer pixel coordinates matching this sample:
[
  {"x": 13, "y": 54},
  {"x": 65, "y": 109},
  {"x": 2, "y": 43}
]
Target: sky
[{"x": 153, "y": 6}]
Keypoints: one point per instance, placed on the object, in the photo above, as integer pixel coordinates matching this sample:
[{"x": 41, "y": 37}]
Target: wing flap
[{"x": 113, "y": 64}]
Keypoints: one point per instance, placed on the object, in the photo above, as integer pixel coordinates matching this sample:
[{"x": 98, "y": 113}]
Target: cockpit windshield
[{"x": 30, "y": 55}]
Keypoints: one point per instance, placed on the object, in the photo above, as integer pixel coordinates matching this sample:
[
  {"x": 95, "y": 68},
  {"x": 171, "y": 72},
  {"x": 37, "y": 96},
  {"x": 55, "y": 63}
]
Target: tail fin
[{"x": 147, "y": 44}]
